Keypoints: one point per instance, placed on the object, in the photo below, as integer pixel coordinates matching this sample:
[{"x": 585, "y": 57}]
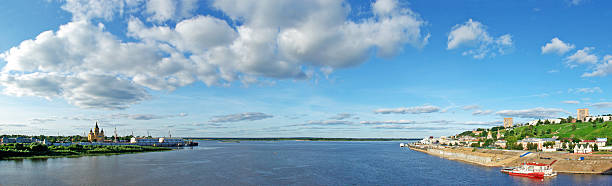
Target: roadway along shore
[{"x": 566, "y": 162}]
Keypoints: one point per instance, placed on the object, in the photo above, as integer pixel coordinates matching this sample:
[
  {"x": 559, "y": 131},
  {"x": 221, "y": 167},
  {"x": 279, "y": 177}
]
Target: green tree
[
  {"x": 595, "y": 147},
  {"x": 37, "y": 147}
]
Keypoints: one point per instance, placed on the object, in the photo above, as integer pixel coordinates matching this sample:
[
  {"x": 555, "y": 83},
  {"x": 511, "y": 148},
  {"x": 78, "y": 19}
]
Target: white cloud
[
  {"x": 247, "y": 116},
  {"x": 317, "y": 33},
  {"x": 602, "y": 69},
  {"x": 409, "y": 110},
  {"x": 90, "y": 9},
  {"x": 473, "y": 34},
  {"x": 482, "y": 112},
  {"x": 583, "y": 56},
  {"x": 585, "y": 90},
  {"x": 532, "y": 113},
  {"x": 281, "y": 40},
  {"x": 143, "y": 116},
  {"x": 388, "y": 122},
  {"x": 342, "y": 116},
  {"x": 194, "y": 35},
  {"x": 571, "y": 102},
  {"x": 480, "y": 122},
  {"x": 328, "y": 122},
  {"x": 41, "y": 120},
  {"x": 602, "y": 104},
  {"x": 470, "y": 107},
  {"x": 384, "y": 7},
  {"x": 397, "y": 122},
  {"x": 557, "y": 46},
  {"x": 404, "y": 127},
  {"x": 164, "y": 10}
]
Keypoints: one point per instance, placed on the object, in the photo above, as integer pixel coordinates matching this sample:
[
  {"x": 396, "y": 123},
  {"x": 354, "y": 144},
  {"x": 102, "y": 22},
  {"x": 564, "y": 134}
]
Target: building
[
  {"x": 582, "y": 149},
  {"x": 476, "y": 132},
  {"x": 499, "y": 135},
  {"x": 96, "y": 135},
  {"x": 5, "y": 140},
  {"x": 501, "y": 144},
  {"x": 539, "y": 142},
  {"x": 161, "y": 142},
  {"x": 489, "y": 135},
  {"x": 601, "y": 142},
  {"x": 551, "y": 121},
  {"x": 604, "y": 118},
  {"x": 587, "y": 142},
  {"x": 582, "y": 114},
  {"x": 508, "y": 122}
]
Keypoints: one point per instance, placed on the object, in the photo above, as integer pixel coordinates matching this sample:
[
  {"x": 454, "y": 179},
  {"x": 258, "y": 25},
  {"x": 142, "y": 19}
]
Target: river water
[{"x": 270, "y": 163}]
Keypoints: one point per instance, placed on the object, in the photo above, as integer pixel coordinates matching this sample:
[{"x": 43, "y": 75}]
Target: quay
[{"x": 565, "y": 162}]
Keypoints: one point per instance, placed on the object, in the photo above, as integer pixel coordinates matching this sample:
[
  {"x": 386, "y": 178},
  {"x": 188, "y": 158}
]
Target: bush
[
  {"x": 37, "y": 147},
  {"x": 75, "y": 147}
]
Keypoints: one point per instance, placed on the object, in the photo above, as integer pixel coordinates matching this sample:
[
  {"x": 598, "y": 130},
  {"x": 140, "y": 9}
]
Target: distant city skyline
[{"x": 323, "y": 68}]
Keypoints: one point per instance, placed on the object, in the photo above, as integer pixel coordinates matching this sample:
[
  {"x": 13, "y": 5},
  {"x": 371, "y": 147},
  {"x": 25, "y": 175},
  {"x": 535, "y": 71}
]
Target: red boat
[{"x": 531, "y": 170}]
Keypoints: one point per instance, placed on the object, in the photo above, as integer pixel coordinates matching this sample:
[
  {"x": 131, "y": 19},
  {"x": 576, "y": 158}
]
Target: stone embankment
[
  {"x": 566, "y": 162},
  {"x": 461, "y": 156}
]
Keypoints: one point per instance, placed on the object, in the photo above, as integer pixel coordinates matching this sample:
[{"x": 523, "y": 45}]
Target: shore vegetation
[{"x": 38, "y": 150}]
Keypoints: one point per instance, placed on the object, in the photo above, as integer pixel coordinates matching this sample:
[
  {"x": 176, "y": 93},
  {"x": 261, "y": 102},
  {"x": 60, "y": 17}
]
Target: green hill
[{"x": 581, "y": 131}]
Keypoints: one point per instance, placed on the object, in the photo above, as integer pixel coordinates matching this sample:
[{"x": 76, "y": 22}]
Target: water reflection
[{"x": 278, "y": 163}]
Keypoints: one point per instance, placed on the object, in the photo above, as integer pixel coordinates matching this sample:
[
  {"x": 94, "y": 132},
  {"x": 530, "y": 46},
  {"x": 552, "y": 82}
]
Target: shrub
[{"x": 37, "y": 147}]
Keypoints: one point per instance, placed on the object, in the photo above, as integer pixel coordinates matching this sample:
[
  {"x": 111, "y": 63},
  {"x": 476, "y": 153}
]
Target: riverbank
[
  {"x": 566, "y": 162},
  {"x": 20, "y": 151}
]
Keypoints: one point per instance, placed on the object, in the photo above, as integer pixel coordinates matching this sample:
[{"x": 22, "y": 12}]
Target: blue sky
[{"x": 299, "y": 68}]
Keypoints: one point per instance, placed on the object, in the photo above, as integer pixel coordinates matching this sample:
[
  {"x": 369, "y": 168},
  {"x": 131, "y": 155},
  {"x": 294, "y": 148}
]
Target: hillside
[{"x": 583, "y": 131}]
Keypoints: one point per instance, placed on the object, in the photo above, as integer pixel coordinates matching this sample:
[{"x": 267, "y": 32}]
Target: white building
[
  {"x": 582, "y": 149},
  {"x": 554, "y": 121},
  {"x": 591, "y": 118},
  {"x": 601, "y": 142}
]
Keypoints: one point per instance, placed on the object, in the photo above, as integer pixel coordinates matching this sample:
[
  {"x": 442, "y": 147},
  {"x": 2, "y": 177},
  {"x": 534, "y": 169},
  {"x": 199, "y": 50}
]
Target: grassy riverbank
[{"x": 19, "y": 151}]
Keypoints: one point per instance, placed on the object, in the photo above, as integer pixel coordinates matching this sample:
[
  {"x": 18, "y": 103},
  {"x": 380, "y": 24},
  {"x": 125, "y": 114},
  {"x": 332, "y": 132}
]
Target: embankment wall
[{"x": 461, "y": 156}]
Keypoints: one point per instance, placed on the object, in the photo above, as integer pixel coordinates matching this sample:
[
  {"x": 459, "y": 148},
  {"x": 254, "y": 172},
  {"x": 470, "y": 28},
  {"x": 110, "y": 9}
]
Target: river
[{"x": 270, "y": 163}]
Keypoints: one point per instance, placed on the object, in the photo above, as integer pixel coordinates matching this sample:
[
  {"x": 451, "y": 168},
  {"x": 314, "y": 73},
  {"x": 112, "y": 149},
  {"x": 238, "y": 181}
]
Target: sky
[{"x": 313, "y": 68}]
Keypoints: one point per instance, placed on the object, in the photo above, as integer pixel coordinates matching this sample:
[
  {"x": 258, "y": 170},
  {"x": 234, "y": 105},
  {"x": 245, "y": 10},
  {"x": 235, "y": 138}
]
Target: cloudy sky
[{"x": 320, "y": 68}]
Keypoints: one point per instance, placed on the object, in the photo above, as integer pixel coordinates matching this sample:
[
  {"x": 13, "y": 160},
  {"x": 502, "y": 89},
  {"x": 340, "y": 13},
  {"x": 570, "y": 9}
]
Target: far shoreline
[{"x": 299, "y": 139}]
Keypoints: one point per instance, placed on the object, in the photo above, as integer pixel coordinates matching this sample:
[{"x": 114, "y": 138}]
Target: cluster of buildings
[
  {"x": 541, "y": 144},
  {"x": 581, "y": 115},
  {"x": 96, "y": 137},
  {"x": 4, "y": 140}
]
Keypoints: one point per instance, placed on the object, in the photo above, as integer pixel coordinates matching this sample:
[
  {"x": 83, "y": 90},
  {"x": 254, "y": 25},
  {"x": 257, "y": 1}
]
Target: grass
[
  {"x": 602, "y": 152},
  {"x": 22, "y": 151},
  {"x": 583, "y": 130}
]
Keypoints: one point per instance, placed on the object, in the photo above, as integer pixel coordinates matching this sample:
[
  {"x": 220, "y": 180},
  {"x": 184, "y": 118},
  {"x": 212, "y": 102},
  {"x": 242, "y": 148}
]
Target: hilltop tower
[
  {"x": 508, "y": 122},
  {"x": 582, "y": 114},
  {"x": 96, "y": 135}
]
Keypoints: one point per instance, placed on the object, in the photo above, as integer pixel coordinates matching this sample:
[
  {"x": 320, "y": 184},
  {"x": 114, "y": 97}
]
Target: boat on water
[{"x": 531, "y": 170}]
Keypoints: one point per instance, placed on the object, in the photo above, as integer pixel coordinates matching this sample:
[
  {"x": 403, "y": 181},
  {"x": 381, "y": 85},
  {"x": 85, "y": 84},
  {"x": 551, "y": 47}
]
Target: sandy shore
[{"x": 566, "y": 162}]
